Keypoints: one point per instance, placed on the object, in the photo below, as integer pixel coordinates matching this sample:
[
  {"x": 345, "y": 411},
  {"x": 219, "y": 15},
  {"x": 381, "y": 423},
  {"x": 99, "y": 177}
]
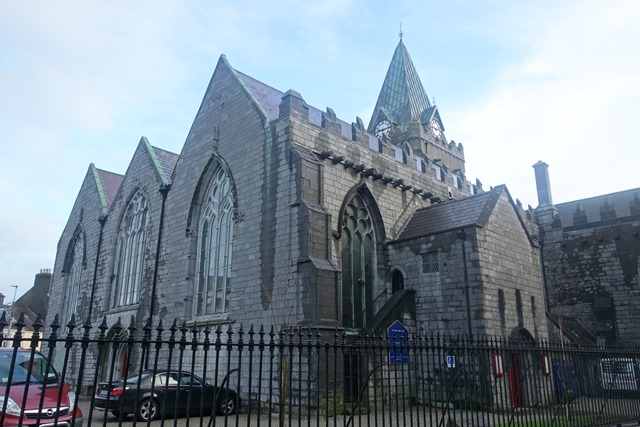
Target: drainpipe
[
  {"x": 164, "y": 190},
  {"x": 102, "y": 219},
  {"x": 463, "y": 235}
]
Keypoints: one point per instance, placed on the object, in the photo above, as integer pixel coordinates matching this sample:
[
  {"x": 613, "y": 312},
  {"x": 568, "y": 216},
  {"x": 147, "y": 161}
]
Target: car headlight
[
  {"x": 72, "y": 401},
  {"x": 12, "y": 406}
]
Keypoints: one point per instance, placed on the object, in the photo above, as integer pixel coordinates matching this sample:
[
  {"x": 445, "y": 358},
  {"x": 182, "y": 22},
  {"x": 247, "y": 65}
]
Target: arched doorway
[
  {"x": 397, "y": 281},
  {"x": 114, "y": 357}
]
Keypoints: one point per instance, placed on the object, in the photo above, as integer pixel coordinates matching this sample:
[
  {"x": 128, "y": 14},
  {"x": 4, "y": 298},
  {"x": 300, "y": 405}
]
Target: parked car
[
  {"x": 150, "y": 395},
  {"x": 30, "y": 390},
  {"x": 619, "y": 374}
]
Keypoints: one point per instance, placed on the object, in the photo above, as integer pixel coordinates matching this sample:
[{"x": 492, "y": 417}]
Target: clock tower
[{"x": 405, "y": 119}]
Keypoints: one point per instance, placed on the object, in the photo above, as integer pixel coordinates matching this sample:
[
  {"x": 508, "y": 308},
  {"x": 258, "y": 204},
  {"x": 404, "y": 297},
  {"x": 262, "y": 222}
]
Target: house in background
[{"x": 32, "y": 303}]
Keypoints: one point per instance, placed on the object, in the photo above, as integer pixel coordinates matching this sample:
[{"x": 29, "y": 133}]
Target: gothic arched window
[
  {"x": 130, "y": 248},
  {"x": 358, "y": 257},
  {"x": 74, "y": 277},
  {"x": 215, "y": 243}
]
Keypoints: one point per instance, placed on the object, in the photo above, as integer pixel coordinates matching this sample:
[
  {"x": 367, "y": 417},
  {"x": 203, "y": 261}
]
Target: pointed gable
[
  {"x": 266, "y": 96},
  {"x": 163, "y": 161},
  {"x": 167, "y": 161},
  {"x": 402, "y": 97},
  {"x": 108, "y": 183},
  {"x": 451, "y": 215}
]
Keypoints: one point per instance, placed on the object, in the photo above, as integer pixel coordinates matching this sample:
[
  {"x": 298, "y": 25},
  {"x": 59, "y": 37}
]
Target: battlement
[
  {"x": 605, "y": 209},
  {"x": 415, "y": 146}
]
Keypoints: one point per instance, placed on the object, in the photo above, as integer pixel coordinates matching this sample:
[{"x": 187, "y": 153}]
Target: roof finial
[{"x": 400, "y": 34}]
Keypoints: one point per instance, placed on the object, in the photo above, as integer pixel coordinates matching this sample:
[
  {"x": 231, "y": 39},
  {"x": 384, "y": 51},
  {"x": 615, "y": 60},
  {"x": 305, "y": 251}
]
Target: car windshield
[{"x": 34, "y": 369}]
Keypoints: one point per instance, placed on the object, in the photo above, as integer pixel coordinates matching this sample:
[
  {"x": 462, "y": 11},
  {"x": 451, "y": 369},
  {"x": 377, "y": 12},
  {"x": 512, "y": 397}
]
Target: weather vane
[{"x": 400, "y": 34}]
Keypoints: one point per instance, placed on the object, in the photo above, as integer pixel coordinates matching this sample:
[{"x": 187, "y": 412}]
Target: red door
[{"x": 516, "y": 386}]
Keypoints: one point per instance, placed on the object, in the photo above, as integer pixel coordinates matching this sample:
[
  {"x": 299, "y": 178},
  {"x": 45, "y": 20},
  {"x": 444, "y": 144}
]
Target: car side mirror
[{"x": 52, "y": 378}]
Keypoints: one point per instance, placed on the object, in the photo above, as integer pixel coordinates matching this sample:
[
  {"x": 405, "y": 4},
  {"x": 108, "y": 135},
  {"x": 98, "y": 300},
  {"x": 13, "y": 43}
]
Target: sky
[{"x": 515, "y": 82}]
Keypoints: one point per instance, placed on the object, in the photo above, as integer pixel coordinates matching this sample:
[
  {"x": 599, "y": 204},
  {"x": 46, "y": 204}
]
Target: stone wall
[{"x": 592, "y": 275}]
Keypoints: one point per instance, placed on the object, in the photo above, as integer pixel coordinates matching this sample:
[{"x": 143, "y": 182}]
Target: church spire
[{"x": 402, "y": 97}]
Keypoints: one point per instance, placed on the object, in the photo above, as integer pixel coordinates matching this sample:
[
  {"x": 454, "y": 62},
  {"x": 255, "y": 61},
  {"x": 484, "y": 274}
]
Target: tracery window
[
  {"x": 130, "y": 250},
  {"x": 74, "y": 277},
  {"x": 215, "y": 243},
  {"x": 358, "y": 254}
]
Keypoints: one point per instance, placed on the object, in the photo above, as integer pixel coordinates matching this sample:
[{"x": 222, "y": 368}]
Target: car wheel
[
  {"x": 228, "y": 403},
  {"x": 148, "y": 410}
]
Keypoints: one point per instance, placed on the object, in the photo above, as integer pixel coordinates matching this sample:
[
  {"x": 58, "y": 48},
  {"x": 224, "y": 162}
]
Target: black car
[{"x": 150, "y": 395}]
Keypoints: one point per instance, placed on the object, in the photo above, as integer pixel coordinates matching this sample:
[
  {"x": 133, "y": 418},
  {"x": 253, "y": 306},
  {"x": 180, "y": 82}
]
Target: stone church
[{"x": 278, "y": 213}]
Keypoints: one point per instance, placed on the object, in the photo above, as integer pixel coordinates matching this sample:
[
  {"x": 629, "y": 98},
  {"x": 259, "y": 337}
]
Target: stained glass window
[
  {"x": 358, "y": 254},
  {"x": 74, "y": 276},
  {"x": 130, "y": 249},
  {"x": 215, "y": 244}
]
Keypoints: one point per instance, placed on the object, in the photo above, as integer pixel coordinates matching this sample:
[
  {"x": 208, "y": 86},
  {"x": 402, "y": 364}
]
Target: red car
[{"x": 31, "y": 398}]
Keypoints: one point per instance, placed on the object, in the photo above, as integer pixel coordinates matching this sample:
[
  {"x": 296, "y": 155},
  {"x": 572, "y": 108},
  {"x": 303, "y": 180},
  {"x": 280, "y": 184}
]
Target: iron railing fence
[{"x": 313, "y": 377}]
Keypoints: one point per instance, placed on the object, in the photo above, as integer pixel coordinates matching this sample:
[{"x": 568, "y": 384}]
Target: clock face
[
  {"x": 435, "y": 128},
  {"x": 382, "y": 129}
]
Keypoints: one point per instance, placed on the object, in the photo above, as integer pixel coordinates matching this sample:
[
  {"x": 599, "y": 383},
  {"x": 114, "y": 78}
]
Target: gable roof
[
  {"x": 452, "y": 215},
  {"x": 107, "y": 184},
  {"x": 268, "y": 97},
  {"x": 163, "y": 161},
  {"x": 167, "y": 161},
  {"x": 402, "y": 94}
]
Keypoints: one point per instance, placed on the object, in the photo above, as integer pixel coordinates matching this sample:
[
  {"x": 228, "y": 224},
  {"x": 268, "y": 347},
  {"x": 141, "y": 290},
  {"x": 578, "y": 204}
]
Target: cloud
[
  {"x": 82, "y": 81},
  {"x": 569, "y": 101}
]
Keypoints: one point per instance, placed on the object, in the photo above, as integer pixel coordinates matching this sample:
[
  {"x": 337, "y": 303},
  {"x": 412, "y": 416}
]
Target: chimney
[
  {"x": 2, "y": 300},
  {"x": 542, "y": 183}
]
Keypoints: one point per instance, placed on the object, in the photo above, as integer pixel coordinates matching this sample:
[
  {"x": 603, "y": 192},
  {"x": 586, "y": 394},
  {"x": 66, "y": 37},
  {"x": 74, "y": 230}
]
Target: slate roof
[
  {"x": 35, "y": 300},
  {"x": 621, "y": 200},
  {"x": 451, "y": 215},
  {"x": 572, "y": 329},
  {"x": 268, "y": 97},
  {"x": 167, "y": 161},
  {"x": 110, "y": 183},
  {"x": 402, "y": 93}
]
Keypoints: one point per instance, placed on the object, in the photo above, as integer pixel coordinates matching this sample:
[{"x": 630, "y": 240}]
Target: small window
[
  {"x": 439, "y": 173},
  {"x": 472, "y": 189},
  {"x": 457, "y": 182},
  {"x": 430, "y": 263},
  {"x": 421, "y": 165}
]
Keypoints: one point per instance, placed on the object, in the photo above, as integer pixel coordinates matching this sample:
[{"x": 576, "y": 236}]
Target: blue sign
[
  {"x": 398, "y": 352},
  {"x": 451, "y": 361}
]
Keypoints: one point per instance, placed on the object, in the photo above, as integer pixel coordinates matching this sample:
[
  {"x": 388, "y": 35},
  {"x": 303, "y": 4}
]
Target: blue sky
[{"x": 515, "y": 82}]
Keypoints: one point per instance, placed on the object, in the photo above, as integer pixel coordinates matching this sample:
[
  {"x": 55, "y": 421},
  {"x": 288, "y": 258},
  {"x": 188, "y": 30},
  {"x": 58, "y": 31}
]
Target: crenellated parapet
[
  {"x": 597, "y": 211},
  {"x": 416, "y": 145}
]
